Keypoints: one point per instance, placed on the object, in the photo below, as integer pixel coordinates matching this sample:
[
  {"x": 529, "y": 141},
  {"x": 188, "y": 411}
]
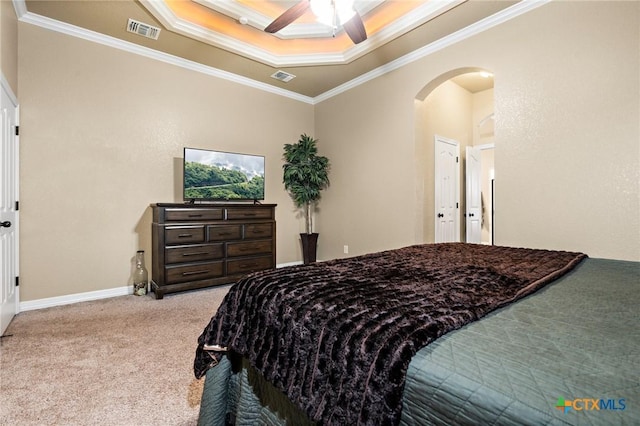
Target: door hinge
[
  {"x": 17, "y": 281},
  {"x": 17, "y": 205},
  {"x": 17, "y": 130},
  {"x": 456, "y": 205},
  {"x": 456, "y": 159}
]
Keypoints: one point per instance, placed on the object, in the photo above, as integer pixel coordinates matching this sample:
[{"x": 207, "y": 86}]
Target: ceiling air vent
[
  {"x": 283, "y": 76},
  {"x": 143, "y": 29}
]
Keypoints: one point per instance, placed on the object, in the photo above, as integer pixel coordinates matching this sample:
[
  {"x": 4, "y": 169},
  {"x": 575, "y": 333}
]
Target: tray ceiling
[{"x": 228, "y": 35}]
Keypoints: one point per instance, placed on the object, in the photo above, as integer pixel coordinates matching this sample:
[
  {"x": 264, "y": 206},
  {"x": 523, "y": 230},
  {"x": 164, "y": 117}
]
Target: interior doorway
[
  {"x": 479, "y": 176},
  {"x": 459, "y": 106}
]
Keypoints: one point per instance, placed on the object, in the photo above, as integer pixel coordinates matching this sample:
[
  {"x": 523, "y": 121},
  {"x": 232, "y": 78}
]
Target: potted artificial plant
[{"x": 305, "y": 175}]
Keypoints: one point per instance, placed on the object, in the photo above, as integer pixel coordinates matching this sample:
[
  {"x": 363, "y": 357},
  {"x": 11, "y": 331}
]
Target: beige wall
[
  {"x": 9, "y": 44},
  {"x": 566, "y": 135},
  {"x": 103, "y": 131},
  {"x": 483, "y": 107},
  {"x": 102, "y": 138}
]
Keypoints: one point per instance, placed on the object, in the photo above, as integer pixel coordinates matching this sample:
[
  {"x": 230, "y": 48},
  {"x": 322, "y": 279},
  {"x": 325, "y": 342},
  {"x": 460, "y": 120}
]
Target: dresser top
[{"x": 208, "y": 205}]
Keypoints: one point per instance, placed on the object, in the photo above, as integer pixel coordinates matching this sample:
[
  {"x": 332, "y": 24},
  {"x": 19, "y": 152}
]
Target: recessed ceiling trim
[
  {"x": 259, "y": 21},
  {"x": 418, "y": 16},
  {"x": 426, "y": 12},
  {"x": 178, "y": 25},
  {"x": 252, "y": 52}
]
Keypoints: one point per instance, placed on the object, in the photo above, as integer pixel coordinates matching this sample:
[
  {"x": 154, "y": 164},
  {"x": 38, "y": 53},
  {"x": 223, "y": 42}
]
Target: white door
[
  {"x": 473, "y": 191},
  {"x": 447, "y": 190},
  {"x": 8, "y": 208}
]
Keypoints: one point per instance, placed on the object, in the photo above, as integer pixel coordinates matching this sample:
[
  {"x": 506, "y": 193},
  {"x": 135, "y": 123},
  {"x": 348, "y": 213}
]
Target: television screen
[{"x": 217, "y": 176}]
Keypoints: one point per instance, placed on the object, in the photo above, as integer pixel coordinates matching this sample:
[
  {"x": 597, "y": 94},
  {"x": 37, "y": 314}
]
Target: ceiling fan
[{"x": 330, "y": 12}]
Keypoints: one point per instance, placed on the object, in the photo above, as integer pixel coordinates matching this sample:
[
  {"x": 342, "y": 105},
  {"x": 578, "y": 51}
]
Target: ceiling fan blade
[
  {"x": 288, "y": 17},
  {"x": 354, "y": 28}
]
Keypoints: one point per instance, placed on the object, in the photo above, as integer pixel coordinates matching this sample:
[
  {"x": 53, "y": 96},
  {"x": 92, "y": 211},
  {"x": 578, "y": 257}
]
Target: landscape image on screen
[{"x": 216, "y": 175}]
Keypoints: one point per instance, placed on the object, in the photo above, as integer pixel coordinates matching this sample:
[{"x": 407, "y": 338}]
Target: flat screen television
[{"x": 222, "y": 176}]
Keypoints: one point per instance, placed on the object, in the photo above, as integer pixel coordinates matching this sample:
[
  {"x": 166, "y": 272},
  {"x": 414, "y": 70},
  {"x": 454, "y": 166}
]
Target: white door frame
[
  {"x": 490, "y": 204},
  {"x": 473, "y": 195},
  {"x": 480, "y": 148},
  {"x": 9, "y": 190},
  {"x": 451, "y": 212}
]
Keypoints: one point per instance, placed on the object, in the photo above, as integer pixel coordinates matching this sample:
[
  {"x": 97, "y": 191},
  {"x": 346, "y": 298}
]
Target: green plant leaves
[{"x": 305, "y": 173}]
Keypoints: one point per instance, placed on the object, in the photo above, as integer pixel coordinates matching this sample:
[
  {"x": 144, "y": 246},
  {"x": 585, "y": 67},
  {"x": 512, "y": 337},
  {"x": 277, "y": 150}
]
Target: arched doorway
[{"x": 457, "y": 106}]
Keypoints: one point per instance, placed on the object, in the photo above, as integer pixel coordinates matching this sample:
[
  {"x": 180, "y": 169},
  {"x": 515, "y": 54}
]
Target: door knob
[
  {"x": 440, "y": 215},
  {"x": 5, "y": 224}
]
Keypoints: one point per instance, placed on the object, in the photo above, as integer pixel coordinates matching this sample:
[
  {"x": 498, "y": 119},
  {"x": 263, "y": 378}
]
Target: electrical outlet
[{"x": 346, "y": 249}]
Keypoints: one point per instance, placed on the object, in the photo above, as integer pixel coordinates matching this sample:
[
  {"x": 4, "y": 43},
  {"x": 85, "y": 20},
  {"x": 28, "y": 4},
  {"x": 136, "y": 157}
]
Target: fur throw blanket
[{"x": 337, "y": 337}]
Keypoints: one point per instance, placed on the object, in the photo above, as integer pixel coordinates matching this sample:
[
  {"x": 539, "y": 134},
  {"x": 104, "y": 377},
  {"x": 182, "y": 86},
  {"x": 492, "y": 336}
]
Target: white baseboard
[
  {"x": 282, "y": 265},
  {"x": 49, "y": 302}
]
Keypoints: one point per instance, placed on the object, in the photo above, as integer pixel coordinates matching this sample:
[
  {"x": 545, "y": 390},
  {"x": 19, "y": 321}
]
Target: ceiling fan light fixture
[{"x": 324, "y": 11}]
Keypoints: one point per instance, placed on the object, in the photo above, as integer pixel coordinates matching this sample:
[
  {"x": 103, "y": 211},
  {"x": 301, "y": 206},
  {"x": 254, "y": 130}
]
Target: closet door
[
  {"x": 8, "y": 208},
  {"x": 447, "y": 191}
]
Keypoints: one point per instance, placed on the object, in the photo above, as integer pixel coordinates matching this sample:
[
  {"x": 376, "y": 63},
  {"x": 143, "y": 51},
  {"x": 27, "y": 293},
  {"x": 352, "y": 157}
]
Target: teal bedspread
[{"x": 574, "y": 344}]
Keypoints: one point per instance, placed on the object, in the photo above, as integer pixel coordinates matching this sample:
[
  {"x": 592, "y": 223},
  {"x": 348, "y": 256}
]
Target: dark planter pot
[{"x": 309, "y": 245}]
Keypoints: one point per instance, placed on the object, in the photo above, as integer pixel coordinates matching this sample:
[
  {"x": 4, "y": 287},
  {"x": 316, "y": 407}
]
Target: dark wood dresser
[{"x": 203, "y": 245}]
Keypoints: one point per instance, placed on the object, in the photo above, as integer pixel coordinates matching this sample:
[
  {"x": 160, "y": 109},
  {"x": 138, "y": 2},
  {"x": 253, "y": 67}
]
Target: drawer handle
[
  {"x": 185, "y": 235},
  {"x": 198, "y": 253},
  {"x": 195, "y": 215},
  {"x": 185, "y": 274},
  {"x": 223, "y": 234},
  {"x": 248, "y": 265},
  {"x": 257, "y": 232},
  {"x": 249, "y": 214}
]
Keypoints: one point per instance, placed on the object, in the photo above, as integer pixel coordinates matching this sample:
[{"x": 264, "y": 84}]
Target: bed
[{"x": 428, "y": 334}]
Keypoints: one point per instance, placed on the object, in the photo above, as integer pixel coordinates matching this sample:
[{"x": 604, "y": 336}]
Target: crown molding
[
  {"x": 473, "y": 29},
  {"x": 82, "y": 33},
  {"x": 421, "y": 14}
]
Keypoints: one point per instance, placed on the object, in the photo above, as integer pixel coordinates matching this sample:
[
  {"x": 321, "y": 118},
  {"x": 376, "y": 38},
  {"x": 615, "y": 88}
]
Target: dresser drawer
[
  {"x": 195, "y": 253},
  {"x": 258, "y": 230},
  {"x": 248, "y": 248},
  {"x": 184, "y": 234},
  {"x": 249, "y": 213},
  {"x": 244, "y": 266},
  {"x": 224, "y": 232},
  {"x": 199, "y": 271},
  {"x": 204, "y": 245},
  {"x": 193, "y": 214}
]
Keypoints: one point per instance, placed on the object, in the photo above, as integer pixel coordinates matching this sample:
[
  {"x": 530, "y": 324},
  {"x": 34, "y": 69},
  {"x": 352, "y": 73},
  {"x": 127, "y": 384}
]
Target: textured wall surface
[
  {"x": 103, "y": 132},
  {"x": 103, "y": 137},
  {"x": 567, "y": 150}
]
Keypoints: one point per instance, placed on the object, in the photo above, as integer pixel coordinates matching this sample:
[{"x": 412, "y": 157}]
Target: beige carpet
[{"x": 121, "y": 361}]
